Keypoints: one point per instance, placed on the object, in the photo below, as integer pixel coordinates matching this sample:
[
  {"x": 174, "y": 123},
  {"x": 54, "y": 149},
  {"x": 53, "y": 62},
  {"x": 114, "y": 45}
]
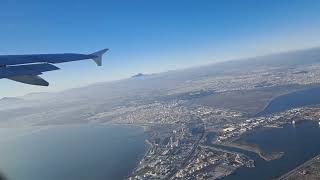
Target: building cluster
[
  {"x": 212, "y": 163},
  {"x": 173, "y": 112},
  {"x": 181, "y": 153},
  {"x": 234, "y": 130},
  {"x": 153, "y": 113},
  {"x": 251, "y": 79},
  {"x": 215, "y": 118},
  {"x": 181, "y": 150},
  {"x": 167, "y": 154}
]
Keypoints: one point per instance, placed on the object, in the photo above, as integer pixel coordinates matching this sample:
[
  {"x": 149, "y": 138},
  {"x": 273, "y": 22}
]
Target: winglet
[{"x": 98, "y": 56}]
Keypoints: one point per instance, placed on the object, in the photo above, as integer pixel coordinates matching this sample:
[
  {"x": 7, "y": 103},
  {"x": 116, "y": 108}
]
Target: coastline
[
  {"x": 262, "y": 111},
  {"x": 255, "y": 149},
  {"x": 240, "y": 143}
]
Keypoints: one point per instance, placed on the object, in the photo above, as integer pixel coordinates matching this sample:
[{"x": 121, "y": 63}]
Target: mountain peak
[{"x": 138, "y": 75}]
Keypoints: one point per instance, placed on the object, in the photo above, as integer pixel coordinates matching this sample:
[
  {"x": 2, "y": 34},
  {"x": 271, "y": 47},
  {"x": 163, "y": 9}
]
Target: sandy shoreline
[{"x": 255, "y": 149}]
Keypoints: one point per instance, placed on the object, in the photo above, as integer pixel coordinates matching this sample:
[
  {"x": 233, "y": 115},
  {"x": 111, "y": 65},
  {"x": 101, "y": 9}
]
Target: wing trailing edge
[
  {"x": 27, "y": 69},
  {"x": 30, "y": 79},
  {"x": 28, "y": 73}
]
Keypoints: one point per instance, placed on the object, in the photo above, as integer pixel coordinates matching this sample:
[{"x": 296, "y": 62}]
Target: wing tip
[{"x": 98, "y": 56}]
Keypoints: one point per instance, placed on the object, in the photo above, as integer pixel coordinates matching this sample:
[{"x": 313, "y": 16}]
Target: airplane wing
[
  {"x": 27, "y": 68},
  {"x": 30, "y": 79},
  {"x": 28, "y": 73}
]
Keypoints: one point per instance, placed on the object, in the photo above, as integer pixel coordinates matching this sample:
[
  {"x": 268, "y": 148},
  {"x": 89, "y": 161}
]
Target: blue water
[
  {"x": 310, "y": 96},
  {"x": 90, "y": 152},
  {"x": 298, "y": 142},
  {"x": 77, "y": 152}
]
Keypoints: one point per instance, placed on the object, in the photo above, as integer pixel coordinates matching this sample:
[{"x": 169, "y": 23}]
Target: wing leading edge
[{"x": 27, "y": 68}]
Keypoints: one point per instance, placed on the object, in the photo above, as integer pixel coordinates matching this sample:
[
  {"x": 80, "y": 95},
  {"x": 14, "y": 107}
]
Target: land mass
[
  {"x": 181, "y": 108},
  {"x": 256, "y": 149},
  {"x": 309, "y": 170}
]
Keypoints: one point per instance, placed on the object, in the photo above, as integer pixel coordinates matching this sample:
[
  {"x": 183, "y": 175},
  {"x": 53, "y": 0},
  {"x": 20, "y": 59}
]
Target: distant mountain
[{"x": 138, "y": 75}]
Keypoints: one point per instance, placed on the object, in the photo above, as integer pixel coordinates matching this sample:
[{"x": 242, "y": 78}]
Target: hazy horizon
[
  {"x": 151, "y": 37},
  {"x": 161, "y": 72}
]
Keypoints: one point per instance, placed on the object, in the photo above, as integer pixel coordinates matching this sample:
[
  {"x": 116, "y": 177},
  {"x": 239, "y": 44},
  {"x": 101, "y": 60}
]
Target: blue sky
[{"x": 150, "y": 36}]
